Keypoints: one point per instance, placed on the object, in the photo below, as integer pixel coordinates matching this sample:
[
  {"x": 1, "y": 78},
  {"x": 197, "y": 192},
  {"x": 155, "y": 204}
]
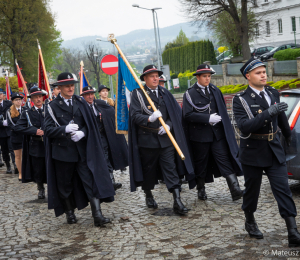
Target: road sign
[{"x": 109, "y": 64}]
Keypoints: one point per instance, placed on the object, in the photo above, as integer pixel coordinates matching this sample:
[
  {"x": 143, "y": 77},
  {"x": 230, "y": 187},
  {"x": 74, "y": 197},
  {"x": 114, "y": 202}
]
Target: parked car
[
  {"x": 257, "y": 52},
  {"x": 226, "y": 55},
  {"x": 270, "y": 54},
  {"x": 292, "y": 98}
]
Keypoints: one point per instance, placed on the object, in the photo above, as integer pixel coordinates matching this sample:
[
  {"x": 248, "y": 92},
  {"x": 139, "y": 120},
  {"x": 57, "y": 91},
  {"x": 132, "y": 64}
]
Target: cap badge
[
  {"x": 69, "y": 77},
  {"x": 206, "y": 67},
  {"x": 154, "y": 67}
]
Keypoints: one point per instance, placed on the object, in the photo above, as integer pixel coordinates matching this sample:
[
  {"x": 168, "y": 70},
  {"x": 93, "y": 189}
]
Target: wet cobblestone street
[{"x": 213, "y": 229}]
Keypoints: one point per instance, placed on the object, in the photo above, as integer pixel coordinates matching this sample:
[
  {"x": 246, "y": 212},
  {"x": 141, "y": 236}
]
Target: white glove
[
  {"x": 70, "y": 128},
  {"x": 214, "y": 119},
  {"x": 76, "y": 136},
  {"x": 4, "y": 122},
  {"x": 154, "y": 116},
  {"x": 162, "y": 131}
]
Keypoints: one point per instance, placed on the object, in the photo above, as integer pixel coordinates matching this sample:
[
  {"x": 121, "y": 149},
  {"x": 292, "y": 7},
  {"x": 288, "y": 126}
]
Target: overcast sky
[{"x": 101, "y": 17}]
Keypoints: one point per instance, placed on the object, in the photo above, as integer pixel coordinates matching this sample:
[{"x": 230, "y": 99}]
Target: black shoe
[
  {"x": 20, "y": 179},
  {"x": 1, "y": 162},
  {"x": 70, "y": 216},
  {"x": 99, "y": 219},
  {"x": 178, "y": 206},
  {"x": 150, "y": 202},
  {"x": 293, "y": 234},
  {"x": 41, "y": 190},
  {"x": 234, "y": 187},
  {"x": 116, "y": 185},
  {"x": 16, "y": 171},
  {"x": 251, "y": 226},
  {"x": 201, "y": 189},
  {"x": 162, "y": 182},
  {"x": 8, "y": 168}
]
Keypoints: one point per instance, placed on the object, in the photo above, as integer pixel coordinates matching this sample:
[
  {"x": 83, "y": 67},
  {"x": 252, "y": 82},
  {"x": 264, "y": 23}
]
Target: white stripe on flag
[{"x": 110, "y": 64}]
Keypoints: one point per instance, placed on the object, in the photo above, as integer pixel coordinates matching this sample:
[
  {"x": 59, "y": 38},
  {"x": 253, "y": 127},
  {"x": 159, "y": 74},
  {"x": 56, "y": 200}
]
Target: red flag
[
  {"x": 21, "y": 81},
  {"x": 7, "y": 88}
]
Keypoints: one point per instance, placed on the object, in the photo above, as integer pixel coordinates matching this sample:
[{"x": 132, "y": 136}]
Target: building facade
[{"x": 278, "y": 22}]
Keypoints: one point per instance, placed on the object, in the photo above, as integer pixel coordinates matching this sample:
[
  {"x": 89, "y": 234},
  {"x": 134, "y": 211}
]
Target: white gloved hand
[
  {"x": 71, "y": 128},
  {"x": 76, "y": 136},
  {"x": 162, "y": 131},
  {"x": 154, "y": 116},
  {"x": 214, "y": 119},
  {"x": 4, "y": 122}
]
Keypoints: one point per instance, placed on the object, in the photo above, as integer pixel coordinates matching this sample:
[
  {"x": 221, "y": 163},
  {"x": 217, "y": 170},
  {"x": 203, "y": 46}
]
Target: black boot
[
  {"x": 234, "y": 187},
  {"x": 1, "y": 162},
  {"x": 69, "y": 211},
  {"x": 293, "y": 234},
  {"x": 41, "y": 189},
  {"x": 16, "y": 171},
  {"x": 251, "y": 226},
  {"x": 8, "y": 168},
  {"x": 178, "y": 206},
  {"x": 116, "y": 185},
  {"x": 99, "y": 219},
  {"x": 150, "y": 202},
  {"x": 201, "y": 189}
]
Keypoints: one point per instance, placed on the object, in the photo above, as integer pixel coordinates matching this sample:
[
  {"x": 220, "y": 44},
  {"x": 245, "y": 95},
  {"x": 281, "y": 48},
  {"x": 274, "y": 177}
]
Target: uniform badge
[
  {"x": 60, "y": 102},
  {"x": 149, "y": 107},
  {"x": 252, "y": 95},
  {"x": 259, "y": 111},
  {"x": 148, "y": 92}
]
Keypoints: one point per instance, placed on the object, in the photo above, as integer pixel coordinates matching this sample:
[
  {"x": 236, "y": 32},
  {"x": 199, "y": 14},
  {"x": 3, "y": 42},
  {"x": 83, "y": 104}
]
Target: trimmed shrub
[{"x": 288, "y": 54}]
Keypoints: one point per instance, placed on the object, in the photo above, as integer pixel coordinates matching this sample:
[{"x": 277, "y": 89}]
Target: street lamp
[{"x": 153, "y": 11}]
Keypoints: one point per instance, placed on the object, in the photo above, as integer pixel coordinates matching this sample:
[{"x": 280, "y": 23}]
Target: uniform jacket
[
  {"x": 118, "y": 148},
  {"x": 140, "y": 119},
  {"x": 4, "y": 130},
  {"x": 23, "y": 126},
  {"x": 89, "y": 149},
  {"x": 260, "y": 152},
  {"x": 171, "y": 112},
  {"x": 12, "y": 120}
]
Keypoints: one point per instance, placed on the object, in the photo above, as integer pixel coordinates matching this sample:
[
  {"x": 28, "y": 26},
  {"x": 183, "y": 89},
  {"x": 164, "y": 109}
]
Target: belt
[
  {"x": 150, "y": 130},
  {"x": 37, "y": 138},
  {"x": 268, "y": 137}
]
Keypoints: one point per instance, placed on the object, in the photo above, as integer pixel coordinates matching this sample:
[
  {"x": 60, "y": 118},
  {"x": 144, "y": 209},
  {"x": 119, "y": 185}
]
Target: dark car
[
  {"x": 292, "y": 98},
  {"x": 270, "y": 54},
  {"x": 257, "y": 52}
]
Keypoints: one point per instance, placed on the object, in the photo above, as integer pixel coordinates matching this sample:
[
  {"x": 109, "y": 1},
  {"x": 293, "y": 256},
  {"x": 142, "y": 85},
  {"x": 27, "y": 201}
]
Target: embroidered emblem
[
  {"x": 60, "y": 102},
  {"x": 259, "y": 111},
  {"x": 149, "y": 107}
]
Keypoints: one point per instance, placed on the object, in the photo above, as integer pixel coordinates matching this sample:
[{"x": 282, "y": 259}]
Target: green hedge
[
  {"x": 288, "y": 54},
  {"x": 189, "y": 56}
]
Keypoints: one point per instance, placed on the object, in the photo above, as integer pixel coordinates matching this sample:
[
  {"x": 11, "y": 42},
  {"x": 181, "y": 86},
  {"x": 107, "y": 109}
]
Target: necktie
[
  {"x": 0, "y": 104},
  {"x": 206, "y": 92},
  {"x": 70, "y": 103},
  {"x": 40, "y": 110},
  {"x": 154, "y": 92},
  {"x": 262, "y": 94}
]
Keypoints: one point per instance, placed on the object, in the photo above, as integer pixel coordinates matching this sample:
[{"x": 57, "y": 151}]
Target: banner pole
[{"x": 112, "y": 39}]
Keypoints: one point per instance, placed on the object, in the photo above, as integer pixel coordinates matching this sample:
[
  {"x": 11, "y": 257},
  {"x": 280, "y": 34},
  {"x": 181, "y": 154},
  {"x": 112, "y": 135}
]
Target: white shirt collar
[
  {"x": 257, "y": 91},
  {"x": 67, "y": 100},
  {"x": 1, "y": 102},
  {"x": 203, "y": 88},
  {"x": 36, "y": 108}
]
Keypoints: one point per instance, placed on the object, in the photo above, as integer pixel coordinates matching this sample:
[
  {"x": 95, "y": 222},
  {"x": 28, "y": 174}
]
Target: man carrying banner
[
  {"x": 151, "y": 152},
  {"x": 31, "y": 125},
  {"x": 259, "y": 115},
  {"x": 5, "y": 132},
  {"x": 76, "y": 168},
  {"x": 114, "y": 145}
]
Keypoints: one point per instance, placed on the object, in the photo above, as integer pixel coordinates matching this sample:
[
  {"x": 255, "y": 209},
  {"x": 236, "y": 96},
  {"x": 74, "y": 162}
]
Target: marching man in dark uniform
[
  {"x": 76, "y": 168},
  {"x": 31, "y": 124},
  {"x": 213, "y": 144},
  {"x": 259, "y": 115},
  {"x": 5, "y": 133},
  {"x": 162, "y": 81},
  {"x": 151, "y": 151},
  {"x": 114, "y": 145},
  {"x": 55, "y": 91}
]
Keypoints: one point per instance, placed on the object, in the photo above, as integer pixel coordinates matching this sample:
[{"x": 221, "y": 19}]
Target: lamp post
[{"x": 155, "y": 33}]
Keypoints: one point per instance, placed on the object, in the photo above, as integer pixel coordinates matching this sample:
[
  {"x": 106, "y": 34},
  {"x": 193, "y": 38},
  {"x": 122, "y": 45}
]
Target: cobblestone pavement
[{"x": 213, "y": 229}]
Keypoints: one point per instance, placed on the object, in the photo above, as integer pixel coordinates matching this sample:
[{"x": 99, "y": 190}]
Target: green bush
[{"x": 288, "y": 54}]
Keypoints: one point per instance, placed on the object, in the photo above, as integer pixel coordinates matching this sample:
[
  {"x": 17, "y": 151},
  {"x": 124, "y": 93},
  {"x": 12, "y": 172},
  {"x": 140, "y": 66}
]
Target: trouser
[
  {"x": 219, "y": 150},
  {"x": 278, "y": 178},
  {"x": 154, "y": 158},
  {"x": 106, "y": 152},
  {"x": 6, "y": 148},
  {"x": 38, "y": 169},
  {"x": 65, "y": 176}
]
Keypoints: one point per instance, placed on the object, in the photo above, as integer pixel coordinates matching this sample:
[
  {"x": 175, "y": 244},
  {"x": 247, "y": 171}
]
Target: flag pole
[
  {"x": 22, "y": 79},
  {"x": 7, "y": 86},
  {"x": 112, "y": 39},
  {"x": 44, "y": 70},
  {"x": 81, "y": 76}
]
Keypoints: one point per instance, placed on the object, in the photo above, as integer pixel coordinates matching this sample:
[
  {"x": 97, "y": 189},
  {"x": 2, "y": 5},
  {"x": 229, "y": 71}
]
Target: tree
[
  {"x": 180, "y": 40},
  {"x": 200, "y": 12},
  {"x": 22, "y": 22}
]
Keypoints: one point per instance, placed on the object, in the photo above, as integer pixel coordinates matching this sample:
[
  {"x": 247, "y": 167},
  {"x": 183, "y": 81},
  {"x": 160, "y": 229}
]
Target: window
[
  {"x": 256, "y": 30},
  {"x": 268, "y": 27},
  {"x": 279, "y": 25},
  {"x": 293, "y": 23},
  {"x": 266, "y": 1}
]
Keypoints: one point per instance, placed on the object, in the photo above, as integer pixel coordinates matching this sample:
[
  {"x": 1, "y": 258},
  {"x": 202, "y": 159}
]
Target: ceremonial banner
[
  {"x": 85, "y": 80},
  {"x": 125, "y": 80},
  {"x": 8, "y": 90},
  {"x": 21, "y": 82}
]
